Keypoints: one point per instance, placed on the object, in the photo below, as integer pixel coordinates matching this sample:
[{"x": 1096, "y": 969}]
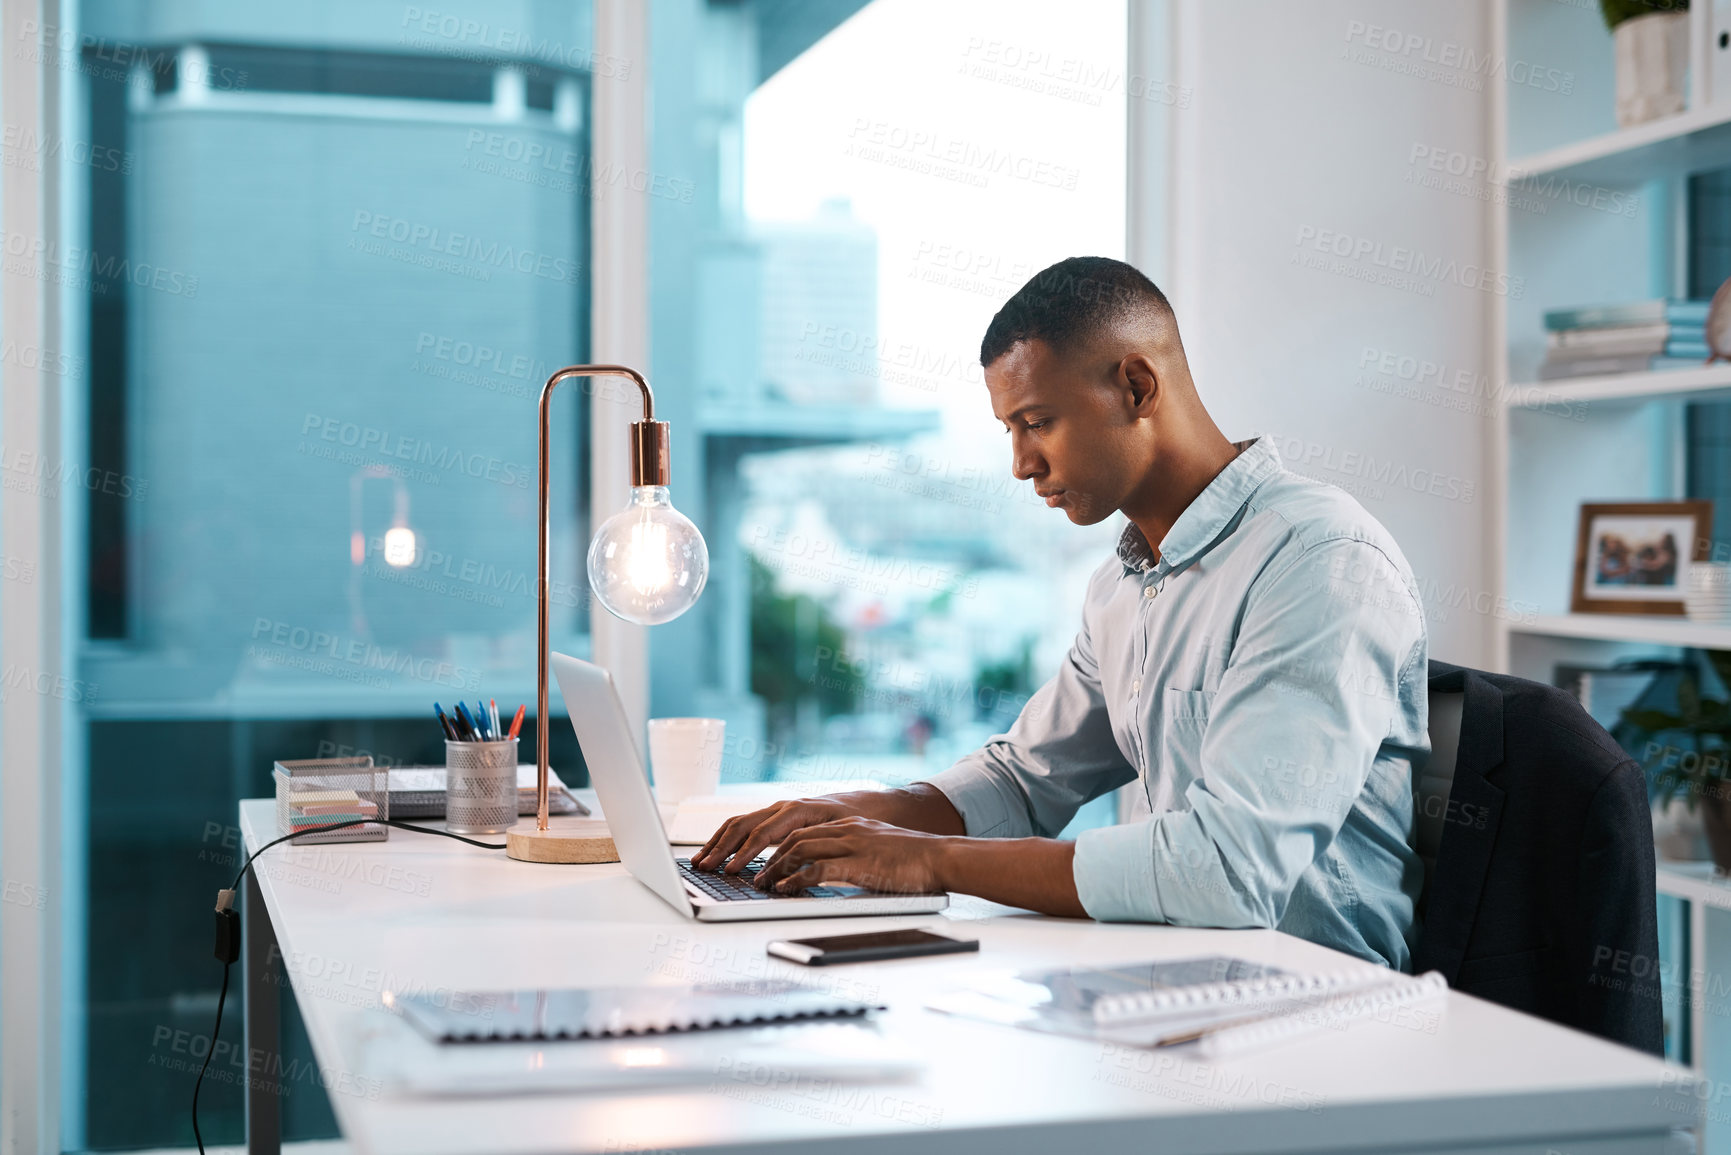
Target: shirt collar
[{"x": 1208, "y": 518}]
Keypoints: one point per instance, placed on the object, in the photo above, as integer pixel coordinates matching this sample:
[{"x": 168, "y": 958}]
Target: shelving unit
[
  {"x": 1701, "y": 887},
  {"x": 1695, "y": 881},
  {"x": 1601, "y": 217},
  {"x": 1613, "y": 228}
]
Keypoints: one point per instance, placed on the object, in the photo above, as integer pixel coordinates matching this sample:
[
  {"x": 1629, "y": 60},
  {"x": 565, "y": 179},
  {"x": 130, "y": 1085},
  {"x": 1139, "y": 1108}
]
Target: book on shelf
[
  {"x": 1621, "y": 340},
  {"x": 1553, "y": 370},
  {"x": 1635, "y": 337},
  {"x": 1676, "y": 312},
  {"x": 1613, "y": 340},
  {"x": 1557, "y": 370}
]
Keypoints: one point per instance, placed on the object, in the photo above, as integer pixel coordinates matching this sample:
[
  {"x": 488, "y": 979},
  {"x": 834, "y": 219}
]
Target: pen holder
[{"x": 480, "y": 786}]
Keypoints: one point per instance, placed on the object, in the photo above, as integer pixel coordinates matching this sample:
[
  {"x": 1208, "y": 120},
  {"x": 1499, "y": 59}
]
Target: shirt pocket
[
  {"x": 1188, "y": 705},
  {"x": 1177, "y": 763}
]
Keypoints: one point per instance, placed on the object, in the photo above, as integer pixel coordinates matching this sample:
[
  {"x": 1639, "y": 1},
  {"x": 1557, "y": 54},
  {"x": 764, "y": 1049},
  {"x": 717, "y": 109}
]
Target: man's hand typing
[{"x": 918, "y": 807}]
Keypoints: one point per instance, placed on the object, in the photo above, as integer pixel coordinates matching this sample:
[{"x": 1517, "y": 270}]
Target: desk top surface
[{"x": 423, "y": 913}]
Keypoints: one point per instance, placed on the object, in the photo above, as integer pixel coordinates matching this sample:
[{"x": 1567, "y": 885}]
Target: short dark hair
[{"x": 1067, "y": 303}]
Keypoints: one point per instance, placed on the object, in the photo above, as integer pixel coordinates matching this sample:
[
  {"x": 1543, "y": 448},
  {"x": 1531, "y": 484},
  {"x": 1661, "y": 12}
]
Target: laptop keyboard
[{"x": 738, "y": 888}]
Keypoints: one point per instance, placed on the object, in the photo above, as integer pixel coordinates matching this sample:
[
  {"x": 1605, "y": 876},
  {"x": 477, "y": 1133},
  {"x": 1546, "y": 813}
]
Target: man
[{"x": 1261, "y": 671}]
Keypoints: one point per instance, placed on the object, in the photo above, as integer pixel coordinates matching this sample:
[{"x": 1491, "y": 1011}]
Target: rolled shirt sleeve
[
  {"x": 1311, "y": 691},
  {"x": 1058, "y": 754}
]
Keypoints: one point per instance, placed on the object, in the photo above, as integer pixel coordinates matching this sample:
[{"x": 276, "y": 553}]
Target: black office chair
[{"x": 1535, "y": 833}]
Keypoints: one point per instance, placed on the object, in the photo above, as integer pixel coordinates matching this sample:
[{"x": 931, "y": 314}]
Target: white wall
[{"x": 1299, "y": 125}]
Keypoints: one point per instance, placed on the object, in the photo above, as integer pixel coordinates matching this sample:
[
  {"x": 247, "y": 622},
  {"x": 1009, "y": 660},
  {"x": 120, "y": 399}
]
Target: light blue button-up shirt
[{"x": 1265, "y": 681}]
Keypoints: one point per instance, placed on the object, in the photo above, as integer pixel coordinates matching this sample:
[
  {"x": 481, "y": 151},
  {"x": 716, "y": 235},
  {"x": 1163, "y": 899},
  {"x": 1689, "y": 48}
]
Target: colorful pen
[
  {"x": 517, "y": 722},
  {"x": 469, "y": 731},
  {"x": 444, "y": 722},
  {"x": 481, "y": 713},
  {"x": 493, "y": 713}
]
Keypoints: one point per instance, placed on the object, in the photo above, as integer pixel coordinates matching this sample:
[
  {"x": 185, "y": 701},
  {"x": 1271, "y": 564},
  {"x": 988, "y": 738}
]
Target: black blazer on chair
[{"x": 1542, "y": 898}]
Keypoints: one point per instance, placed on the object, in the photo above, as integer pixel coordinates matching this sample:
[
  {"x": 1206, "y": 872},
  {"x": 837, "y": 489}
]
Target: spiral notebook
[
  {"x": 615, "y": 1012},
  {"x": 1171, "y": 1001},
  {"x": 1399, "y": 998}
]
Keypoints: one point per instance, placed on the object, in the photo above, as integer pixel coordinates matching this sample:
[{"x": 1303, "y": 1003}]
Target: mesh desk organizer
[
  {"x": 480, "y": 786},
  {"x": 312, "y": 793}
]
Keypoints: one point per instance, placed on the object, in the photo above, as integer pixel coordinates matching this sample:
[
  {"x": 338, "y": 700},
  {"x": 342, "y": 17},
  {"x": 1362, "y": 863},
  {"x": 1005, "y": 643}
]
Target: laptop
[{"x": 634, "y": 820}]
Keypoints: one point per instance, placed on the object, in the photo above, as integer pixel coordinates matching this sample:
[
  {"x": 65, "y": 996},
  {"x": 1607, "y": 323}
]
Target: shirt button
[
  {"x": 1150, "y": 591},
  {"x": 1136, "y": 686}
]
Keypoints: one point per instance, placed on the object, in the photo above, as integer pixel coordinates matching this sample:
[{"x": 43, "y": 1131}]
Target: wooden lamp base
[{"x": 565, "y": 841}]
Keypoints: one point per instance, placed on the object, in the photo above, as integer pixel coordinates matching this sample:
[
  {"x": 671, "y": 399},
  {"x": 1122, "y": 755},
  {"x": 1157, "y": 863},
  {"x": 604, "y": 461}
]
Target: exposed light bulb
[
  {"x": 400, "y": 546},
  {"x": 646, "y": 566},
  {"x": 648, "y": 563}
]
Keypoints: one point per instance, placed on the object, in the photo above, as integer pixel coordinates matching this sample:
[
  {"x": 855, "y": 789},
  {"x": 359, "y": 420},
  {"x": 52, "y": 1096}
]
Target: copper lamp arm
[{"x": 648, "y": 467}]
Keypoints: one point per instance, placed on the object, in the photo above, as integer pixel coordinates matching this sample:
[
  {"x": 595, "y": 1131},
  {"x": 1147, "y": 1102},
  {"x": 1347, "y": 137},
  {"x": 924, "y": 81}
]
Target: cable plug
[{"x": 227, "y": 947}]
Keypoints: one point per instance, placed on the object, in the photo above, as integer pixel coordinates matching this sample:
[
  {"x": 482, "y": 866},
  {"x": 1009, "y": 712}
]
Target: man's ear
[{"x": 1136, "y": 374}]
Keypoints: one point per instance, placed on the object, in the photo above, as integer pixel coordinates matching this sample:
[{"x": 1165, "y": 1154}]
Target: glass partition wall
[{"x": 329, "y": 257}]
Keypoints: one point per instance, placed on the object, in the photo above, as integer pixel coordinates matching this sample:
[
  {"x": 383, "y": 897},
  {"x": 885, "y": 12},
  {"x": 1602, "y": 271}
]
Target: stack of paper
[{"x": 316, "y": 809}]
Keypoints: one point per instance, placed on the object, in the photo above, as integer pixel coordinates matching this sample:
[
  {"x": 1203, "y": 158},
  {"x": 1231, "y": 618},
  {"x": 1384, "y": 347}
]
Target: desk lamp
[{"x": 647, "y": 564}]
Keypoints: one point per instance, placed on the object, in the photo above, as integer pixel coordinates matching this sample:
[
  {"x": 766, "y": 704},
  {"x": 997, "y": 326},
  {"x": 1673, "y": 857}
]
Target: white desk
[{"x": 352, "y": 918}]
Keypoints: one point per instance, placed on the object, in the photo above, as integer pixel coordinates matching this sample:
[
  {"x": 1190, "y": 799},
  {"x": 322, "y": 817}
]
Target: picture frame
[{"x": 1633, "y": 557}]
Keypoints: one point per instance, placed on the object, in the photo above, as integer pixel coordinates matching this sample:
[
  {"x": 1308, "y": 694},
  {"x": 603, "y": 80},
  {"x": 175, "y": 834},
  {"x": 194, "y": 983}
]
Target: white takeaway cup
[{"x": 685, "y": 756}]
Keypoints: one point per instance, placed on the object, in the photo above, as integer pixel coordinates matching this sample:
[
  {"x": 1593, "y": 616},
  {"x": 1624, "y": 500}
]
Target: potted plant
[
  {"x": 1651, "y": 41},
  {"x": 1691, "y": 751}
]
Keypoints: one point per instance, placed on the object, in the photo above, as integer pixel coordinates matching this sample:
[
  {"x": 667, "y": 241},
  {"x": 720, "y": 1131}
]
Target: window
[{"x": 847, "y": 194}]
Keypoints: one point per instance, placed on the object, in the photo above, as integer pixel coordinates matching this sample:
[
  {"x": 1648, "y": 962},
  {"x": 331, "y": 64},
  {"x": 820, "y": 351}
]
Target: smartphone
[{"x": 846, "y": 948}]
